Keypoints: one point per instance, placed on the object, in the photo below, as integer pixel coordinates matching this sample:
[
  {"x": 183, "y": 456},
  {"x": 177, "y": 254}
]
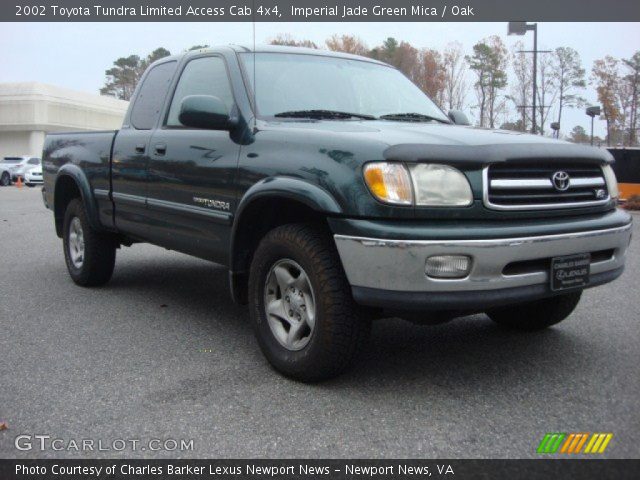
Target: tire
[
  {"x": 94, "y": 265},
  {"x": 536, "y": 315},
  {"x": 338, "y": 331},
  {"x": 5, "y": 179}
]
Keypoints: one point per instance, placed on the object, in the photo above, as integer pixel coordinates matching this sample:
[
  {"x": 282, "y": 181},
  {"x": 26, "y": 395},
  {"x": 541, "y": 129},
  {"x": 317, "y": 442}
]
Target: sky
[{"x": 75, "y": 55}]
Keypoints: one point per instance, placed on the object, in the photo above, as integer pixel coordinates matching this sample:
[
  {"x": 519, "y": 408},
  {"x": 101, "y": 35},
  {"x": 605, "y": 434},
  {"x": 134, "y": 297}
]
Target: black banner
[
  {"x": 315, "y": 469},
  {"x": 318, "y": 10}
]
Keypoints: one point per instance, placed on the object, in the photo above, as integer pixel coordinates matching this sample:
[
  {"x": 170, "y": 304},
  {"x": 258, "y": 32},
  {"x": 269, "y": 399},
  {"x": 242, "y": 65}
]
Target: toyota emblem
[{"x": 560, "y": 181}]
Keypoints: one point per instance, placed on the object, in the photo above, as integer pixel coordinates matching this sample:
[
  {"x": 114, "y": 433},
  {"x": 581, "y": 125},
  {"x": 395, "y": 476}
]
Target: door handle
[
  {"x": 140, "y": 148},
  {"x": 160, "y": 149}
]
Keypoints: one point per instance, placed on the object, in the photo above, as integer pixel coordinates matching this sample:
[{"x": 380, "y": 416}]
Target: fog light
[{"x": 448, "y": 266}]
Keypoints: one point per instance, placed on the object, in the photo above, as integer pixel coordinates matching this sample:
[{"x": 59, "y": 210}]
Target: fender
[
  {"x": 285, "y": 187},
  {"x": 80, "y": 179},
  {"x": 289, "y": 188}
]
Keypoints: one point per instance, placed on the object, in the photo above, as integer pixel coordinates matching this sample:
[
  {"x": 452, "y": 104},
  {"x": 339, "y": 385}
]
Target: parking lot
[{"x": 161, "y": 352}]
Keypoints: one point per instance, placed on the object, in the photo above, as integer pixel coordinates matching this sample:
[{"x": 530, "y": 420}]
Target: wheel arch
[
  {"x": 266, "y": 205},
  {"x": 71, "y": 182}
]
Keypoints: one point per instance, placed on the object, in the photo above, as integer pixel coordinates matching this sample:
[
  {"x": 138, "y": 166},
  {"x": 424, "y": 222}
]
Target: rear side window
[
  {"x": 149, "y": 101},
  {"x": 201, "y": 76}
]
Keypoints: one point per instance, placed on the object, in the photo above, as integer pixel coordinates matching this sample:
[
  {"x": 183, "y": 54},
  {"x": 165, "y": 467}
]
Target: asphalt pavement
[{"x": 162, "y": 353}]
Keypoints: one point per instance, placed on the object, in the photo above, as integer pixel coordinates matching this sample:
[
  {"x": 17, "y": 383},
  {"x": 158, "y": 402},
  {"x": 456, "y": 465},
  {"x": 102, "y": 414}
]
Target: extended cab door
[
  {"x": 130, "y": 157},
  {"x": 191, "y": 175}
]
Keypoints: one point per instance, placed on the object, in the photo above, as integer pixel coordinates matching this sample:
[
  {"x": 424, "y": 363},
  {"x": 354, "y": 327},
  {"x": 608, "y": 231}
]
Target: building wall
[{"x": 30, "y": 110}]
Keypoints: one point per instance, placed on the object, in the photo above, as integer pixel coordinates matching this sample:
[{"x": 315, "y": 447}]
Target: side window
[
  {"x": 202, "y": 76},
  {"x": 154, "y": 90},
  {"x": 34, "y": 161}
]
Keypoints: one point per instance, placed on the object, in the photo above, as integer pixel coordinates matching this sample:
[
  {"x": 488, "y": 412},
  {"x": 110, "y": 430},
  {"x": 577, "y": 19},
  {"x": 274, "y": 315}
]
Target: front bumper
[{"x": 391, "y": 273}]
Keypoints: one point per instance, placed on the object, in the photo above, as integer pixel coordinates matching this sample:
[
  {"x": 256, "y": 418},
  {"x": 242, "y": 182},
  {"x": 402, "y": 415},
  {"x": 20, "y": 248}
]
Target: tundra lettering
[{"x": 336, "y": 192}]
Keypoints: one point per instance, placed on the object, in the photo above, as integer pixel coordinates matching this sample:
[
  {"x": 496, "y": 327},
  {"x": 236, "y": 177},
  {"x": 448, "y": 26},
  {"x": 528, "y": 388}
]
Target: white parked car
[
  {"x": 33, "y": 176},
  {"x": 18, "y": 165}
]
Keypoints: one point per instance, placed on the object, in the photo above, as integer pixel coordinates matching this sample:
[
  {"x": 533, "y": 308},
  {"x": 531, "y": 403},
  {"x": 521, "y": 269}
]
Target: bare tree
[
  {"x": 521, "y": 90},
  {"x": 547, "y": 89},
  {"x": 569, "y": 76},
  {"x": 455, "y": 69}
]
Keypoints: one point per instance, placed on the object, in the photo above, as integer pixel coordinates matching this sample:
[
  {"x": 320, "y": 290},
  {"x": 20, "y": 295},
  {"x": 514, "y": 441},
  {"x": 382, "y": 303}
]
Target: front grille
[{"x": 531, "y": 185}]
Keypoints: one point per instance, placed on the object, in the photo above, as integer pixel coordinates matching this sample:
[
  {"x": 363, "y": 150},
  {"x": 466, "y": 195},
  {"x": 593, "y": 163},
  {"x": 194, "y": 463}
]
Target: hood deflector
[{"x": 483, "y": 154}]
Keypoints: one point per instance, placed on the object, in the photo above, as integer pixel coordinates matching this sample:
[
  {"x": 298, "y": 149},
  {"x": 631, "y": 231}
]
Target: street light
[
  {"x": 593, "y": 112},
  {"x": 520, "y": 28}
]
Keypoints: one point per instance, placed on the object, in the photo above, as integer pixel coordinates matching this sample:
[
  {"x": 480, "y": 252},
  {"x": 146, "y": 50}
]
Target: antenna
[{"x": 255, "y": 105}]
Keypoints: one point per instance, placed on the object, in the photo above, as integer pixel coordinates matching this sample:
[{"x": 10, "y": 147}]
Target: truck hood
[{"x": 413, "y": 142}]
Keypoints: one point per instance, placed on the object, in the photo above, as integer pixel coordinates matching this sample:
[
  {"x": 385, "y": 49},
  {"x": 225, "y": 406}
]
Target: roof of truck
[{"x": 275, "y": 49}]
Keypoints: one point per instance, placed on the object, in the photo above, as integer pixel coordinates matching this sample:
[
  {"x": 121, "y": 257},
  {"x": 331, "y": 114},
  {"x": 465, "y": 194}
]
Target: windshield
[{"x": 294, "y": 82}]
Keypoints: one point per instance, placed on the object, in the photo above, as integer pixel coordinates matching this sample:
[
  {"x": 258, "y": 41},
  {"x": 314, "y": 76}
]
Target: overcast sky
[{"x": 75, "y": 55}]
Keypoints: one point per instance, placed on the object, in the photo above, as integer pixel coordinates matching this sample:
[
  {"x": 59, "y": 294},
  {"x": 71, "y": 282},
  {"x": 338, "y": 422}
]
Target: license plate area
[{"x": 570, "y": 271}]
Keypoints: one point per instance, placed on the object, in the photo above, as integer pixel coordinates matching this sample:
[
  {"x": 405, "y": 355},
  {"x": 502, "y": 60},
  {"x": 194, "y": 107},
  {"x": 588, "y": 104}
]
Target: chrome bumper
[{"x": 399, "y": 265}]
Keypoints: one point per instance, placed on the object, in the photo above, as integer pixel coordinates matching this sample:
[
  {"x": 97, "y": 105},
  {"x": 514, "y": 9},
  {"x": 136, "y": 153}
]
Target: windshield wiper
[
  {"x": 412, "y": 117},
  {"x": 323, "y": 114}
]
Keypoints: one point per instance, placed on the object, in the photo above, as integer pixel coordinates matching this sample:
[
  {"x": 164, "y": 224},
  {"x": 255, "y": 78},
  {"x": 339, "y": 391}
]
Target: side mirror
[
  {"x": 205, "y": 111},
  {"x": 459, "y": 117}
]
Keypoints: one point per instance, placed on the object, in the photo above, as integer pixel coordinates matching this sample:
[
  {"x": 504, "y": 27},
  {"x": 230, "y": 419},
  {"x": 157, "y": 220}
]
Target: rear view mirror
[
  {"x": 459, "y": 117},
  {"x": 205, "y": 111}
]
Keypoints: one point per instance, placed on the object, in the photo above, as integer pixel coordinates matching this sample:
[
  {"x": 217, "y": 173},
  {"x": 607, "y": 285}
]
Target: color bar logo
[{"x": 574, "y": 442}]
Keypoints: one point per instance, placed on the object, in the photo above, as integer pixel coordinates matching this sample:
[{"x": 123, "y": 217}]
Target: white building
[{"x": 29, "y": 110}]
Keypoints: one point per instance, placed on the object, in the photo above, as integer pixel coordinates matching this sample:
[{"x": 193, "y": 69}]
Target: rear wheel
[
  {"x": 304, "y": 317},
  {"x": 538, "y": 314},
  {"x": 5, "y": 179},
  {"x": 90, "y": 255}
]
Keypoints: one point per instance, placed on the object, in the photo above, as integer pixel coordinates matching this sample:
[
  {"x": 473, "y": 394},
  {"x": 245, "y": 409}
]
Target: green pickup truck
[{"x": 336, "y": 192}]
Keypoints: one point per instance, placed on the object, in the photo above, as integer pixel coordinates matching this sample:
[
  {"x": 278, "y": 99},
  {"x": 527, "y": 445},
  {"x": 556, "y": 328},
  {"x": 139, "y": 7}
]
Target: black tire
[
  {"x": 5, "y": 179},
  {"x": 536, "y": 315},
  {"x": 340, "y": 330},
  {"x": 99, "y": 249}
]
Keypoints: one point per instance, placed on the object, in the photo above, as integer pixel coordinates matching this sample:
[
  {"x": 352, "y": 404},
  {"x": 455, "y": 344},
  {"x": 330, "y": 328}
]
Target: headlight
[
  {"x": 440, "y": 186},
  {"x": 389, "y": 182},
  {"x": 612, "y": 182}
]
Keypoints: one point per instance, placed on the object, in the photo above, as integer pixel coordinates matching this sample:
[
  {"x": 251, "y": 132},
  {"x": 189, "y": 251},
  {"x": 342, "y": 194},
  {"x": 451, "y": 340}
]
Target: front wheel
[
  {"x": 90, "y": 255},
  {"x": 538, "y": 314},
  {"x": 5, "y": 179},
  {"x": 304, "y": 317}
]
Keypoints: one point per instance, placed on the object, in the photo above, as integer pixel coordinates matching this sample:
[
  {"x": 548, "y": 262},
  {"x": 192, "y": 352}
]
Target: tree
[
  {"x": 489, "y": 61},
  {"x": 521, "y": 91},
  {"x": 431, "y": 75},
  {"x": 289, "y": 41},
  {"x": 632, "y": 79},
  {"x": 455, "y": 68},
  {"x": 123, "y": 77},
  {"x": 385, "y": 52},
  {"x": 578, "y": 135},
  {"x": 569, "y": 76},
  {"x": 547, "y": 89},
  {"x": 605, "y": 76},
  {"x": 347, "y": 44}
]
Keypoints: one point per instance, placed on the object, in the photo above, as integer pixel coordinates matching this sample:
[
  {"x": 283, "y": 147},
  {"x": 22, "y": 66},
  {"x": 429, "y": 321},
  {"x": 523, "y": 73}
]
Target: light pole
[
  {"x": 593, "y": 112},
  {"x": 520, "y": 28}
]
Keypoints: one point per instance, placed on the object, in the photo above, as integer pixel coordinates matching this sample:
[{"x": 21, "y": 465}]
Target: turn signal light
[{"x": 389, "y": 182}]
